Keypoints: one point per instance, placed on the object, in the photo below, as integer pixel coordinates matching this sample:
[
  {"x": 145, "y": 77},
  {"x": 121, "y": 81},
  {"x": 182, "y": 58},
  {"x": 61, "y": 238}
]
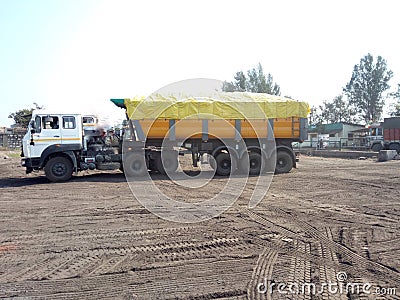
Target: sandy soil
[{"x": 90, "y": 239}]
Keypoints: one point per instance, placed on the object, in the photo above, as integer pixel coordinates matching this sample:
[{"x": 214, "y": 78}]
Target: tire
[
  {"x": 376, "y": 147},
  {"x": 225, "y": 164},
  {"x": 58, "y": 169},
  {"x": 166, "y": 162},
  {"x": 395, "y": 146},
  {"x": 135, "y": 165},
  {"x": 270, "y": 165},
  {"x": 212, "y": 162},
  {"x": 253, "y": 165},
  {"x": 284, "y": 162}
]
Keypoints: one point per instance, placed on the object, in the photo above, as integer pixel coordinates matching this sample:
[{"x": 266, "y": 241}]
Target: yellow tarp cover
[{"x": 236, "y": 105}]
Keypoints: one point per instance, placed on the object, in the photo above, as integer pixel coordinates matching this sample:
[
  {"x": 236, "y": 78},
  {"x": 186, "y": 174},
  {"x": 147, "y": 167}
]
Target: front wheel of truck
[{"x": 58, "y": 169}]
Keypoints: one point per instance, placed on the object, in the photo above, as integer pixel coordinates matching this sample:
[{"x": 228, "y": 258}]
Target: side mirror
[
  {"x": 33, "y": 131},
  {"x": 32, "y": 124}
]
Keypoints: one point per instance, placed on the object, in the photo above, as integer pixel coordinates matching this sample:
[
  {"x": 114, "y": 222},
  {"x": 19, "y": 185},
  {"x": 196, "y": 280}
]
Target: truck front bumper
[{"x": 30, "y": 162}]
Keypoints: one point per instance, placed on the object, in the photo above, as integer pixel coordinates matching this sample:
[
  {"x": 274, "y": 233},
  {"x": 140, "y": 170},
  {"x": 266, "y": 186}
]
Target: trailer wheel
[
  {"x": 212, "y": 162},
  {"x": 253, "y": 165},
  {"x": 376, "y": 147},
  {"x": 395, "y": 146},
  {"x": 270, "y": 165},
  {"x": 167, "y": 162},
  {"x": 135, "y": 165},
  {"x": 58, "y": 169},
  {"x": 225, "y": 163},
  {"x": 284, "y": 162}
]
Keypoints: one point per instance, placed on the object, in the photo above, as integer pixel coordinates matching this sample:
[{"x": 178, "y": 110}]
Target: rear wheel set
[{"x": 137, "y": 164}]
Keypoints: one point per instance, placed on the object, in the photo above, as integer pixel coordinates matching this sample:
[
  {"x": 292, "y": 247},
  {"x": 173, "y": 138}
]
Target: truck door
[
  {"x": 47, "y": 133},
  {"x": 71, "y": 130}
]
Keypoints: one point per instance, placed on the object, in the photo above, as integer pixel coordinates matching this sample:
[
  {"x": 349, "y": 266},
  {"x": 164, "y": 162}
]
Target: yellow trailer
[{"x": 238, "y": 130}]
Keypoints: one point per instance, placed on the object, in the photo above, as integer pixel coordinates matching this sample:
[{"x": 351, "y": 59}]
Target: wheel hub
[{"x": 59, "y": 169}]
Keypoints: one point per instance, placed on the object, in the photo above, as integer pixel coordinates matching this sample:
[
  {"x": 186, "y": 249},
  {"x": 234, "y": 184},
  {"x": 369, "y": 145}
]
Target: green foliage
[
  {"x": 315, "y": 116},
  {"x": 367, "y": 86},
  {"x": 23, "y": 116},
  {"x": 334, "y": 111},
  {"x": 255, "y": 81},
  {"x": 337, "y": 110},
  {"x": 240, "y": 81},
  {"x": 395, "y": 108}
]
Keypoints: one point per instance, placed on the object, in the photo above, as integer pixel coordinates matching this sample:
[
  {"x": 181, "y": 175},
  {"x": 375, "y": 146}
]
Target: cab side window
[
  {"x": 38, "y": 124},
  {"x": 69, "y": 122},
  {"x": 50, "y": 122},
  {"x": 88, "y": 120}
]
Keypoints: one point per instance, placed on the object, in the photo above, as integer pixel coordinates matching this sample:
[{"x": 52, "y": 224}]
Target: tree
[
  {"x": 395, "y": 108},
  {"x": 367, "y": 86},
  {"x": 239, "y": 85},
  {"x": 255, "y": 81},
  {"x": 23, "y": 116},
  {"x": 336, "y": 110},
  {"x": 315, "y": 116}
]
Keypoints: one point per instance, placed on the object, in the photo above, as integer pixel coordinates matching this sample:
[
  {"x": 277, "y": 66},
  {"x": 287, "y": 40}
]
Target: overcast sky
[{"x": 77, "y": 54}]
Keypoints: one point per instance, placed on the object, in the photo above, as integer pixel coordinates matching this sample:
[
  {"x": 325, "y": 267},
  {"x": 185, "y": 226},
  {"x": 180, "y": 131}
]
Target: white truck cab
[
  {"x": 55, "y": 141},
  {"x": 63, "y": 143},
  {"x": 50, "y": 129}
]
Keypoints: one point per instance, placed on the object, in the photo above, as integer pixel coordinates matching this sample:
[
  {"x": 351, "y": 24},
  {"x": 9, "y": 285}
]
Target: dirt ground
[{"x": 329, "y": 222}]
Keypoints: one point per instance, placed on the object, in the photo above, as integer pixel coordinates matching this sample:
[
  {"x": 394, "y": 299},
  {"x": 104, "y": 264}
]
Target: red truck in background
[{"x": 391, "y": 136}]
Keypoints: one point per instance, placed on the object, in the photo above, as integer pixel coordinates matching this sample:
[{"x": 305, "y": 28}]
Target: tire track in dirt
[
  {"x": 113, "y": 260},
  {"x": 284, "y": 235},
  {"x": 327, "y": 274},
  {"x": 34, "y": 268},
  {"x": 206, "y": 276},
  {"x": 262, "y": 273},
  {"x": 357, "y": 261},
  {"x": 300, "y": 270},
  {"x": 109, "y": 234},
  {"x": 210, "y": 279}
]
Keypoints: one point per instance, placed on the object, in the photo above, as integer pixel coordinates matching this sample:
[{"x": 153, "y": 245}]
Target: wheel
[
  {"x": 225, "y": 164},
  {"x": 212, "y": 162},
  {"x": 135, "y": 165},
  {"x": 58, "y": 169},
  {"x": 253, "y": 165},
  {"x": 284, "y": 162},
  {"x": 376, "y": 147},
  {"x": 152, "y": 165},
  {"x": 395, "y": 146},
  {"x": 166, "y": 162},
  {"x": 270, "y": 165}
]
